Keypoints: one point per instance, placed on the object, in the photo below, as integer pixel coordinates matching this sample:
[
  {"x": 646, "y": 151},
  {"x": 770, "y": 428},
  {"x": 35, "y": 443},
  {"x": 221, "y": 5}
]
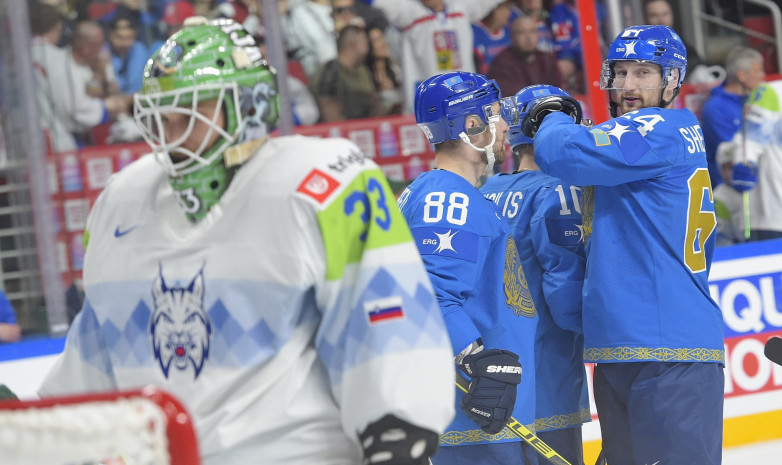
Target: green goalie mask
[{"x": 207, "y": 61}]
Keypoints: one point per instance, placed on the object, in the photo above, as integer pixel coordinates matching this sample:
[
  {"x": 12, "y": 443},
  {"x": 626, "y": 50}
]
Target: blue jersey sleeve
[
  {"x": 446, "y": 227},
  {"x": 640, "y": 145},
  {"x": 557, "y": 236},
  {"x": 454, "y": 263}
]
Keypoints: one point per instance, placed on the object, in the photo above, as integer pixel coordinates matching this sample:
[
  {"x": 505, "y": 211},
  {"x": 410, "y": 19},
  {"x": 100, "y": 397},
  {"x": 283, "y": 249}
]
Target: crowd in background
[{"x": 347, "y": 59}]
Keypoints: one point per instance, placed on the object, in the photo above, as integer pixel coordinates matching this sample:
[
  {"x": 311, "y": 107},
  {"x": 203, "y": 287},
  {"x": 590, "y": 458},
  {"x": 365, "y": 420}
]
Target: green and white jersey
[
  {"x": 764, "y": 147},
  {"x": 294, "y": 314}
]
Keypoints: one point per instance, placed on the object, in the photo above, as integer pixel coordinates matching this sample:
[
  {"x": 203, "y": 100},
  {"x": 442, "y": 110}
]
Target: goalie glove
[
  {"x": 542, "y": 107},
  {"x": 744, "y": 176},
  {"x": 391, "y": 441},
  {"x": 492, "y": 395}
]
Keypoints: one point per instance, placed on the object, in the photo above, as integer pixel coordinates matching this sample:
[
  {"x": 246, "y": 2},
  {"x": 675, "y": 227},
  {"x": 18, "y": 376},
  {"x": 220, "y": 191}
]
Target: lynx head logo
[{"x": 179, "y": 325}]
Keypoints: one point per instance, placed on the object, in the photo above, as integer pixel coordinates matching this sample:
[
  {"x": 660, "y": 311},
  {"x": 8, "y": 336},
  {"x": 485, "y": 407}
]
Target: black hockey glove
[
  {"x": 540, "y": 108},
  {"x": 492, "y": 394},
  {"x": 391, "y": 441}
]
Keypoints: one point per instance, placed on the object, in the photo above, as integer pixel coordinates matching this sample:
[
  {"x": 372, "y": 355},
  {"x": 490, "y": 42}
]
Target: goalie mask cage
[{"x": 141, "y": 427}]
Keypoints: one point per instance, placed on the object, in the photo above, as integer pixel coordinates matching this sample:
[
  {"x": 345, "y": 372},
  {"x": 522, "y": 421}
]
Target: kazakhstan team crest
[
  {"x": 179, "y": 326},
  {"x": 517, "y": 295}
]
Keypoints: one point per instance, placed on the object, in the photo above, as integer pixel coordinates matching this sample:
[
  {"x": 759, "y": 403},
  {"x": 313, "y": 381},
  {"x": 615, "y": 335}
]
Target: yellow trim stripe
[{"x": 737, "y": 431}]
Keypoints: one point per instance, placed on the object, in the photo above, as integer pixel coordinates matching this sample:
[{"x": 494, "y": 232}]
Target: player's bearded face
[
  {"x": 638, "y": 85},
  {"x": 501, "y": 127},
  {"x": 175, "y": 125}
]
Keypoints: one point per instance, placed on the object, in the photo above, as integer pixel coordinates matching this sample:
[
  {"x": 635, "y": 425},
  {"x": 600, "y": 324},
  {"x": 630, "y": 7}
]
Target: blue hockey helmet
[
  {"x": 658, "y": 44},
  {"x": 443, "y": 101},
  {"x": 524, "y": 100}
]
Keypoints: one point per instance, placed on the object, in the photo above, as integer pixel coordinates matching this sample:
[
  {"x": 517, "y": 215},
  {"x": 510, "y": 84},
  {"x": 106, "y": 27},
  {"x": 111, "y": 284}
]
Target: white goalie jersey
[{"x": 293, "y": 315}]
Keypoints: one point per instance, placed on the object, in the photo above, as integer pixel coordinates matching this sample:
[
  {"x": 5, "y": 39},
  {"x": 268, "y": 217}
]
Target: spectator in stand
[
  {"x": 128, "y": 55},
  {"x": 136, "y": 13},
  {"x": 70, "y": 18},
  {"x": 92, "y": 67},
  {"x": 343, "y": 12},
  {"x": 660, "y": 12},
  {"x": 92, "y": 60},
  {"x": 373, "y": 17},
  {"x": 385, "y": 73},
  {"x": 523, "y": 64},
  {"x": 567, "y": 45},
  {"x": 436, "y": 37},
  {"x": 728, "y": 202},
  {"x": 303, "y": 105},
  {"x": 535, "y": 10},
  {"x": 309, "y": 33},
  {"x": 722, "y": 113},
  {"x": 343, "y": 87},
  {"x": 361, "y": 14},
  {"x": 491, "y": 35},
  {"x": 9, "y": 328},
  {"x": 760, "y": 169},
  {"x": 64, "y": 105}
]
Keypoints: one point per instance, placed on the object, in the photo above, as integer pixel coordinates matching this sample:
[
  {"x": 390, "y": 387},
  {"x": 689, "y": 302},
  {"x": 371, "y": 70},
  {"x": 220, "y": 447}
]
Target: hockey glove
[
  {"x": 391, "y": 441},
  {"x": 492, "y": 394},
  {"x": 745, "y": 176},
  {"x": 544, "y": 106}
]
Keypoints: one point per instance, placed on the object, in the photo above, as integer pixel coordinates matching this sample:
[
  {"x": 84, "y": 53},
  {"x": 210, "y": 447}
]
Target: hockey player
[
  {"x": 545, "y": 218},
  {"x": 474, "y": 266},
  {"x": 649, "y": 321},
  {"x": 270, "y": 283}
]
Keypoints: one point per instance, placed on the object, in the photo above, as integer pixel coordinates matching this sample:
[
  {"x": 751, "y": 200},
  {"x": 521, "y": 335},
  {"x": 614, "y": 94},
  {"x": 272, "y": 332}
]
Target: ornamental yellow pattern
[
  {"x": 563, "y": 421},
  {"x": 517, "y": 295},
  {"x": 649, "y": 354},
  {"x": 588, "y": 210},
  {"x": 458, "y": 438}
]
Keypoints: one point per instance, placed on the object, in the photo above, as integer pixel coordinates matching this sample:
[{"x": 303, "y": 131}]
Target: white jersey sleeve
[{"x": 293, "y": 315}]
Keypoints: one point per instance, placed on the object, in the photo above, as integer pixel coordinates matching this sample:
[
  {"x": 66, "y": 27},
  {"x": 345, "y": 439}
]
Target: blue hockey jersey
[
  {"x": 480, "y": 285},
  {"x": 650, "y": 231},
  {"x": 545, "y": 219}
]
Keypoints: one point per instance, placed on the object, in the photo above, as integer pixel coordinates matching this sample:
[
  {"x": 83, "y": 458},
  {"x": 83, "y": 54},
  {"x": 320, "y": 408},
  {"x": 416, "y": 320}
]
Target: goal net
[{"x": 142, "y": 427}]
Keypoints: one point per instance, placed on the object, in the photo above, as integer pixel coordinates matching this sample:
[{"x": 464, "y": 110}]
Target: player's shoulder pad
[
  {"x": 327, "y": 166},
  {"x": 133, "y": 182}
]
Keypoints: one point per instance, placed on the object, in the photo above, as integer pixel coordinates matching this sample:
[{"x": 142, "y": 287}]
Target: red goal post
[{"x": 140, "y": 427}]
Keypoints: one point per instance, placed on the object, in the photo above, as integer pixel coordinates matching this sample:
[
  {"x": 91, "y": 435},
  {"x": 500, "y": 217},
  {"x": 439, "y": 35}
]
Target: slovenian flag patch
[{"x": 385, "y": 309}]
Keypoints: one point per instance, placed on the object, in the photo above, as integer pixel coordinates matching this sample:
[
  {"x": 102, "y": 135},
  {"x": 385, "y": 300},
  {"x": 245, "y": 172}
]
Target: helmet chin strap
[{"x": 488, "y": 150}]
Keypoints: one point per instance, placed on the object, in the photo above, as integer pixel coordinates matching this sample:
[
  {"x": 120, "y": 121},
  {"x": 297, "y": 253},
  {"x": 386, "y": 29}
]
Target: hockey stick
[
  {"x": 523, "y": 432},
  {"x": 745, "y": 194}
]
